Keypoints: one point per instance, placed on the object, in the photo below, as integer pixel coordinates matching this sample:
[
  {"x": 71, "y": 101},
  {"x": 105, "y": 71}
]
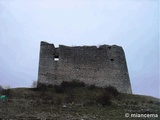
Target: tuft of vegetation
[
  {"x": 72, "y": 84},
  {"x": 68, "y": 85},
  {"x": 112, "y": 91},
  {"x": 77, "y": 103},
  {"x": 70, "y": 97},
  {"x": 104, "y": 99},
  {"x": 50, "y": 86},
  {"x": 59, "y": 89},
  {"x": 150, "y": 101},
  {"x": 91, "y": 87},
  {"x": 41, "y": 87}
]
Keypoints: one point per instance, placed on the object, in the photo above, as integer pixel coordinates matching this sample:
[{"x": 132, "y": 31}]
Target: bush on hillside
[
  {"x": 68, "y": 84},
  {"x": 59, "y": 89},
  {"x": 104, "y": 99},
  {"x": 112, "y": 90},
  {"x": 70, "y": 97},
  {"x": 91, "y": 87},
  {"x": 41, "y": 87},
  {"x": 72, "y": 84},
  {"x": 50, "y": 86}
]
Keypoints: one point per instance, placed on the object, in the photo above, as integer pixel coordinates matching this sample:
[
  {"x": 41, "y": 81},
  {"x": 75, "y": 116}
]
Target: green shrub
[
  {"x": 104, "y": 99},
  {"x": 34, "y": 89},
  {"x": 50, "y": 86},
  {"x": 151, "y": 102},
  {"x": 58, "y": 101},
  {"x": 91, "y": 87},
  {"x": 65, "y": 84},
  {"x": 59, "y": 89},
  {"x": 112, "y": 90},
  {"x": 89, "y": 103},
  {"x": 72, "y": 84},
  {"x": 70, "y": 97},
  {"x": 41, "y": 87}
]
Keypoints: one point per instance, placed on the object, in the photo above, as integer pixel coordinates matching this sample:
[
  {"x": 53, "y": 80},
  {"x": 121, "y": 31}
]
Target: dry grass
[{"x": 76, "y": 103}]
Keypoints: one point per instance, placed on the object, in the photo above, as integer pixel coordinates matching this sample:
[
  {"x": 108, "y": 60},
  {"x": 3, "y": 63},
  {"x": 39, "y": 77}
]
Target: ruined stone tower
[{"x": 103, "y": 66}]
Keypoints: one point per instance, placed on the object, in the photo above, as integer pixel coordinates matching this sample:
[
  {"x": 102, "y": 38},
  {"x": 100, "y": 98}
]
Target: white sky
[{"x": 132, "y": 24}]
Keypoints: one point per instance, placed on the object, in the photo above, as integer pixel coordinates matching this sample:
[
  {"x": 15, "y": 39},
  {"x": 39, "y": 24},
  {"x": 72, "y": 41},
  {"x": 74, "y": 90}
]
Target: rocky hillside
[{"x": 76, "y": 103}]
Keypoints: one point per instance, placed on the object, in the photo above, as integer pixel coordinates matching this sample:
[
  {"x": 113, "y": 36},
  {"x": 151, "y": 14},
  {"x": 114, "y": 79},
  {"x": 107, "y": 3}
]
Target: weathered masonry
[{"x": 103, "y": 66}]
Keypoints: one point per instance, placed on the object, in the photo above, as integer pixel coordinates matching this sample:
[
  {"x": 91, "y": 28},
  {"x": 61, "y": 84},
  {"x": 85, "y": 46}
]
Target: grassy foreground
[{"x": 78, "y": 103}]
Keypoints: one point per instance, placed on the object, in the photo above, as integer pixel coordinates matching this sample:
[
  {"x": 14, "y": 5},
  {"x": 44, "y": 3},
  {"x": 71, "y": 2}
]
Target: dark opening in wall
[
  {"x": 112, "y": 59},
  {"x": 56, "y": 57}
]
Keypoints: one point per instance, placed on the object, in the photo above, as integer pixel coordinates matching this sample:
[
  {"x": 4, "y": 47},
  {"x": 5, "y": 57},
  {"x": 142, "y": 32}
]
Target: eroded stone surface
[{"x": 103, "y": 66}]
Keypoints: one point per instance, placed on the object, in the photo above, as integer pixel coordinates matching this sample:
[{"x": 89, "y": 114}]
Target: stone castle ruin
[{"x": 103, "y": 66}]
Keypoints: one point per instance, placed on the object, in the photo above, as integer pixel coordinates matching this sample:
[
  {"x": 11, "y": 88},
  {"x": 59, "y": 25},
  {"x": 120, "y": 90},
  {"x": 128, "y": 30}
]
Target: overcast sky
[{"x": 132, "y": 24}]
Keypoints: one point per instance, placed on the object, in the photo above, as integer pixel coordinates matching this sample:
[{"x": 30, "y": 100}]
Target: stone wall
[{"x": 104, "y": 65}]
